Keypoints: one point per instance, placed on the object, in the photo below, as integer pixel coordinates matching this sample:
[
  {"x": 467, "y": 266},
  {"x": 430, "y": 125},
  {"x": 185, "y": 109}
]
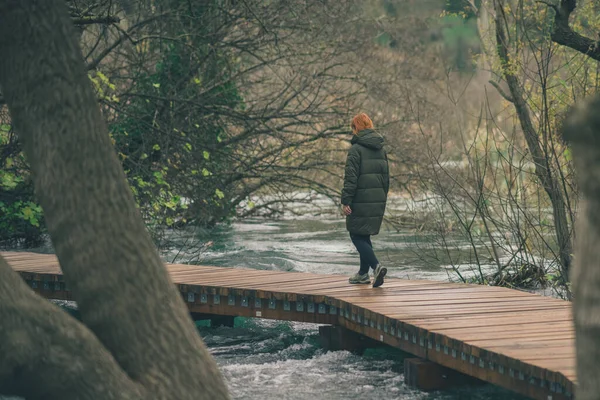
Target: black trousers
[{"x": 365, "y": 249}]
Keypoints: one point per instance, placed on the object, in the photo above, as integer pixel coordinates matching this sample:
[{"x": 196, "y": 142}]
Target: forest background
[{"x": 228, "y": 109}]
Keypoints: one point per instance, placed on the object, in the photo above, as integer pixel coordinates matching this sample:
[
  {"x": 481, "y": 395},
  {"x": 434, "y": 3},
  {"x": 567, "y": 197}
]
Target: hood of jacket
[{"x": 368, "y": 138}]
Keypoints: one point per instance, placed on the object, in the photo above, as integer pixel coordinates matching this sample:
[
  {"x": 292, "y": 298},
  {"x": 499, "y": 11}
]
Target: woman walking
[{"x": 364, "y": 196}]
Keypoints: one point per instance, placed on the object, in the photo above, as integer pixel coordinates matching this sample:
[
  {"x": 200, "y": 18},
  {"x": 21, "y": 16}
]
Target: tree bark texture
[
  {"x": 543, "y": 167},
  {"x": 46, "y": 354},
  {"x": 124, "y": 293},
  {"x": 581, "y": 129}
]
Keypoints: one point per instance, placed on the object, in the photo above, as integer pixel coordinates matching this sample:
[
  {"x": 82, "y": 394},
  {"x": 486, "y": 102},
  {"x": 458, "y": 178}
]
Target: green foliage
[
  {"x": 169, "y": 148},
  {"x": 390, "y": 8},
  {"x": 21, "y": 218},
  {"x": 384, "y": 39},
  {"x": 462, "y": 7},
  {"x": 460, "y": 39},
  {"x": 18, "y": 212}
]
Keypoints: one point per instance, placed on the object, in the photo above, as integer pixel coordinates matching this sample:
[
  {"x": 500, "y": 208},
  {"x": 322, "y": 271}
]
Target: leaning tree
[{"x": 136, "y": 339}]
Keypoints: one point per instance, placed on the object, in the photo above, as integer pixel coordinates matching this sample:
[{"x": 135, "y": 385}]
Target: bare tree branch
[
  {"x": 542, "y": 168},
  {"x": 506, "y": 96},
  {"x": 124, "y": 35},
  {"x": 563, "y": 34},
  {"x": 106, "y": 20}
]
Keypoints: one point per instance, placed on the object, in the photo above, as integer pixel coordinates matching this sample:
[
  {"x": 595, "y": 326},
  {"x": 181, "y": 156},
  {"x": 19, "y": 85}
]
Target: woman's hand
[{"x": 346, "y": 210}]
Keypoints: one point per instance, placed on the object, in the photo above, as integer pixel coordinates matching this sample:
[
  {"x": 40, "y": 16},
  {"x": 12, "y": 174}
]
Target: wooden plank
[
  {"x": 489, "y": 307},
  {"x": 418, "y": 314},
  {"x": 466, "y": 334},
  {"x": 254, "y": 284},
  {"x": 556, "y": 315},
  {"x": 37, "y": 265},
  {"x": 257, "y": 277},
  {"x": 15, "y": 256},
  {"x": 437, "y": 296},
  {"x": 456, "y": 303},
  {"x": 386, "y": 291},
  {"x": 177, "y": 268},
  {"x": 538, "y": 339},
  {"x": 526, "y": 324}
]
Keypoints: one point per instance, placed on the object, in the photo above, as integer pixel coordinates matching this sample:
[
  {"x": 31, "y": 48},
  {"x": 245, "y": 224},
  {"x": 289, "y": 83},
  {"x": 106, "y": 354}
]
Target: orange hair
[{"x": 360, "y": 122}]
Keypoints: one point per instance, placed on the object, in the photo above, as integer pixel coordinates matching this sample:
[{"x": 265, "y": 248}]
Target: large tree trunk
[
  {"x": 582, "y": 130},
  {"x": 123, "y": 291},
  {"x": 46, "y": 354},
  {"x": 543, "y": 167}
]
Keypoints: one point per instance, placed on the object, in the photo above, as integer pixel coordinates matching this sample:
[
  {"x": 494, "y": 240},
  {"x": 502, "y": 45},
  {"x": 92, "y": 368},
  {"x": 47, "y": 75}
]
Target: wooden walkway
[{"x": 520, "y": 341}]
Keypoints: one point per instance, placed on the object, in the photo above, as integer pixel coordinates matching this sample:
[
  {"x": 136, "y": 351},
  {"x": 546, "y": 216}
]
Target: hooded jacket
[{"x": 366, "y": 183}]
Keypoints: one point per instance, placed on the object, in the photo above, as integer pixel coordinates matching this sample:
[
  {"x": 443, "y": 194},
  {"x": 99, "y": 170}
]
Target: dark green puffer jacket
[{"x": 366, "y": 183}]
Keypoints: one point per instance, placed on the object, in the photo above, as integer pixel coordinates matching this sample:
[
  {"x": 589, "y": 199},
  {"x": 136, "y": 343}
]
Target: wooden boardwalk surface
[{"x": 521, "y": 341}]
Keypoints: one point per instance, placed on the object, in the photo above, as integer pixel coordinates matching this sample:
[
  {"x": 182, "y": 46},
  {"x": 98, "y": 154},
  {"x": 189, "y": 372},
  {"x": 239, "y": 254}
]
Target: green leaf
[
  {"x": 140, "y": 182},
  {"x": 30, "y": 214},
  {"x": 156, "y": 85},
  {"x": 188, "y": 146},
  {"x": 27, "y": 212},
  {"x": 251, "y": 205},
  {"x": 156, "y": 147},
  {"x": 171, "y": 205},
  {"x": 102, "y": 77},
  {"x": 8, "y": 181},
  {"x": 206, "y": 155},
  {"x": 206, "y": 172},
  {"x": 159, "y": 177},
  {"x": 219, "y": 194}
]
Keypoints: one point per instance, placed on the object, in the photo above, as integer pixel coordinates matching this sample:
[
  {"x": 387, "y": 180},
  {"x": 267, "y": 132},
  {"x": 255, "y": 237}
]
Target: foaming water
[{"x": 262, "y": 359}]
